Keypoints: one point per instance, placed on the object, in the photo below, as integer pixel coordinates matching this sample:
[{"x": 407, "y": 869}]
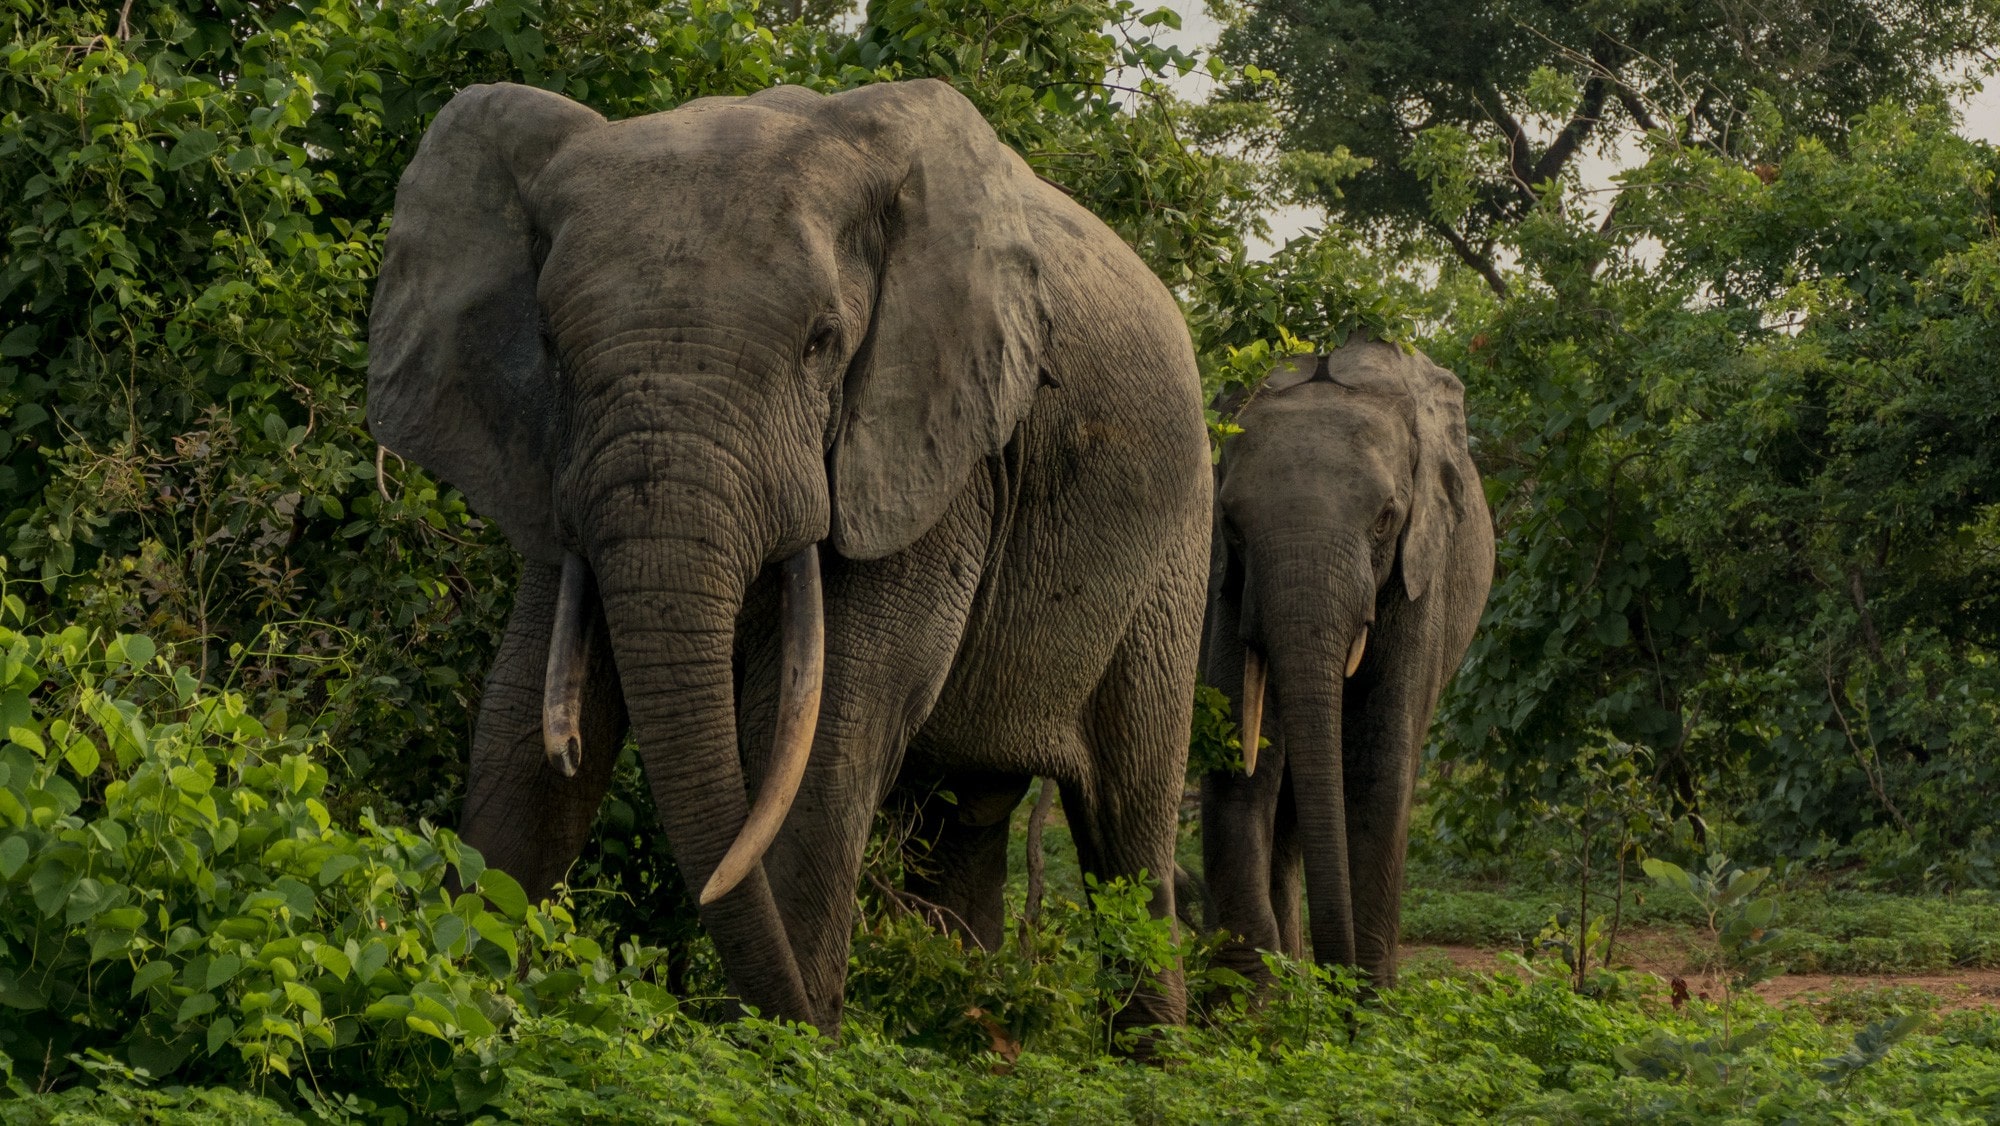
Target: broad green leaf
[
  {"x": 304, "y": 996},
  {"x": 336, "y": 866},
  {"x": 332, "y": 961},
  {"x": 373, "y": 957},
  {"x": 221, "y": 968},
  {"x": 136, "y": 649},
  {"x": 13, "y": 854},
  {"x": 151, "y": 974},
  {"x": 82, "y": 757},
  {"x": 505, "y": 893},
  {"x": 388, "y": 1008},
  {"x": 196, "y": 1005},
  {"x": 27, "y": 736},
  {"x": 219, "y": 1033},
  {"x": 193, "y": 145}
]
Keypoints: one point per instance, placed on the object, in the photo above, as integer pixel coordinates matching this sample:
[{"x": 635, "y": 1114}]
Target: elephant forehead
[
  {"x": 1314, "y": 439},
  {"x": 1324, "y": 417},
  {"x": 734, "y": 158},
  {"x": 657, "y": 204}
]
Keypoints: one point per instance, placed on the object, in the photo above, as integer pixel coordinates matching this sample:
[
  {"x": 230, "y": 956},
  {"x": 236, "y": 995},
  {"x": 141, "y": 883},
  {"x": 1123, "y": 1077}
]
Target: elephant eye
[
  {"x": 1385, "y": 521},
  {"x": 822, "y": 340}
]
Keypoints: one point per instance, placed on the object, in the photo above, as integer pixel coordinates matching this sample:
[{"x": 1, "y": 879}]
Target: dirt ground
[{"x": 1668, "y": 957}]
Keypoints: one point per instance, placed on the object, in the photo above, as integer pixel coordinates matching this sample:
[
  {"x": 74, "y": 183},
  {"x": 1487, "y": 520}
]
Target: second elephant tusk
[
  {"x": 803, "y": 643},
  {"x": 571, "y": 638},
  {"x": 1355, "y": 651},
  {"x": 1253, "y": 706}
]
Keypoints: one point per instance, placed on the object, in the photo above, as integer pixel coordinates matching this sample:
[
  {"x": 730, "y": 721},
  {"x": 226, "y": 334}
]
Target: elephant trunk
[
  {"x": 672, "y": 602},
  {"x": 1313, "y": 644},
  {"x": 1311, "y": 723},
  {"x": 803, "y": 643}
]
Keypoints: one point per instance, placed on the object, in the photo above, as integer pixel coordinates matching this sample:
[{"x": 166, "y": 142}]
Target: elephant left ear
[
  {"x": 953, "y": 353},
  {"x": 1444, "y": 472}
]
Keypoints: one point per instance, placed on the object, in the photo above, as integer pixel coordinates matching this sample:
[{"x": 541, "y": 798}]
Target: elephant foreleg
[
  {"x": 1388, "y": 710},
  {"x": 523, "y": 815},
  {"x": 1242, "y": 866},
  {"x": 887, "y": 656}
]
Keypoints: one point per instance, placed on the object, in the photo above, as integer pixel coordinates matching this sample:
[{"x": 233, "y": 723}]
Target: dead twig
[
  {"x": 939, "y": 916},
  {"x": 382, "y": 477}
]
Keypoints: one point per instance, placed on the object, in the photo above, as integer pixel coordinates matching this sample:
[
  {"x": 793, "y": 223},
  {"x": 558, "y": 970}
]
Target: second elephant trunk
[
  {"x": 1312, "y": 645},
  {"x": 1310, "y": 693}
]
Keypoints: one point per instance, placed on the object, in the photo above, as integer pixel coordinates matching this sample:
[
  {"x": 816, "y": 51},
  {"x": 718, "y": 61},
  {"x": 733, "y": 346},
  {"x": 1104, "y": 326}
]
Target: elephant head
[
  {"x": 671, "y": 351},
  {"x": 1348, "y": 523}
]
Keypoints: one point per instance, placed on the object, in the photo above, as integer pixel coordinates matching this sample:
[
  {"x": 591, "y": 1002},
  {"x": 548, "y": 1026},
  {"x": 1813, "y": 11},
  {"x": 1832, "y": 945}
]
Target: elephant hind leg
[
  {"x": 957, "y": 855},
  {"x": 522, "y": 815},
  {"x": 1125, "y": 813}
]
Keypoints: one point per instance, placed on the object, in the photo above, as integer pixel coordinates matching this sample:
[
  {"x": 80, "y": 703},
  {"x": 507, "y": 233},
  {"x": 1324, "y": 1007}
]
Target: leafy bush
[{"x": 178, "y": 899}]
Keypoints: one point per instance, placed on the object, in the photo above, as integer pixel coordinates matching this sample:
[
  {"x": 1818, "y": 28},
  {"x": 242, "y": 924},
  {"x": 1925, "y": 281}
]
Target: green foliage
[
  {"x": 1740, "y": 498},
  {"x": 179, "y": 900},
  {"x": 1215, "y": 742},
  {"x": 1740, "y": 930},
  {"x": 918, "y": 986},
  {"x": 1613, "y": 819}
]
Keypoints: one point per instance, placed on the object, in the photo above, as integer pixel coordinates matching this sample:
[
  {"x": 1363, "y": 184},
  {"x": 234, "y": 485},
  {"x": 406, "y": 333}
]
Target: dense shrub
[{"x": 179, "y": 900}]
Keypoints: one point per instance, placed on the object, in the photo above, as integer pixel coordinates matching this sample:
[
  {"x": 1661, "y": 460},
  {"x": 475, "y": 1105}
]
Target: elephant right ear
[{"x": 461, "y": 378}]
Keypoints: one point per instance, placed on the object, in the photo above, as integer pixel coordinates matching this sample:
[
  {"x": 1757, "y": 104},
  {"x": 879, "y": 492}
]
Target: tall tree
[{"x": 1528, "y": 85}]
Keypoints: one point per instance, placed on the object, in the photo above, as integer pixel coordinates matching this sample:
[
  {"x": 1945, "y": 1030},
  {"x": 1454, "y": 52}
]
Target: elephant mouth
[{"x": 802, "y": 642}]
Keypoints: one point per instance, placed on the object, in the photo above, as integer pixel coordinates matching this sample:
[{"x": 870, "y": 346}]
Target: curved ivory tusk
[
  {"x": 1253, "y": 706},
  {"x": 803, "y": 643},
  {"x": 570, "y": 641},
  {"x": 1355, "y": 651}
]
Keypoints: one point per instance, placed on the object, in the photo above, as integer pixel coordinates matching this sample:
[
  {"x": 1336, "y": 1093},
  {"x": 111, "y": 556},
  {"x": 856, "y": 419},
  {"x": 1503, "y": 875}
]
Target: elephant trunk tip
[{"x": 803, "y": 643}]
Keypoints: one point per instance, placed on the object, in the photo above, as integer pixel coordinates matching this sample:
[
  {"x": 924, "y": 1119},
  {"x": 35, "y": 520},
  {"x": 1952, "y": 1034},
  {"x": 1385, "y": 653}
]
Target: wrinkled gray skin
[
  {"x": 1348, "y": 502},
  {"x": 687, "y": 346}
]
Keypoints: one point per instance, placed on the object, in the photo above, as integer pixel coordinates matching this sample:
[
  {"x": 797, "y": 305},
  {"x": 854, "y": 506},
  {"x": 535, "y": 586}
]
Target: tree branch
[
  {"x": 1573, "y": 134},
  {"x": 1519, "y": 165},
  {"x": 1473, "y": 258},
  {"x": 944, "y": 919},
  {"x": 1628, "y": 98}
]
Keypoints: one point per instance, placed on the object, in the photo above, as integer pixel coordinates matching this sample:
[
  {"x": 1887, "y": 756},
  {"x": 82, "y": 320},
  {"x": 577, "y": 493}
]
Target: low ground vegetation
[{"x": 192, "y": 936}]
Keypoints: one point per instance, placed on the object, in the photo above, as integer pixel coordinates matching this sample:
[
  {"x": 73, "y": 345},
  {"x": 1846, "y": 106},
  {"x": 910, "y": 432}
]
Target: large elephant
[
  {"x": 1352, "y": 555},
  {"x": 841, "y": 450}
]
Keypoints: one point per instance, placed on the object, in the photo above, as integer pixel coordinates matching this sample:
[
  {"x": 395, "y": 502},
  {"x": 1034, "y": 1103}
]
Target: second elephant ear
[
  {"x": 953, "y": 353},
  {"x": 461, "y": 378},
  {"x": 1444, "y": 472}
]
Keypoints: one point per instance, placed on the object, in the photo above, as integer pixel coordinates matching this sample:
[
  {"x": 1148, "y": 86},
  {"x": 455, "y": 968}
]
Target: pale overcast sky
[{"x": 1980, "y": 113}]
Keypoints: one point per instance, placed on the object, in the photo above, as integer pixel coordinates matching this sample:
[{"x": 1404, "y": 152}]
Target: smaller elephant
[{"x": 1352, "y": 555}]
